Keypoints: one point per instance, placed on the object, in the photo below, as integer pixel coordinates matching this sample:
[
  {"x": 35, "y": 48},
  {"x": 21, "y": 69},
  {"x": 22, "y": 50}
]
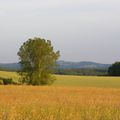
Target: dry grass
[{"x": 59, "y": 103}]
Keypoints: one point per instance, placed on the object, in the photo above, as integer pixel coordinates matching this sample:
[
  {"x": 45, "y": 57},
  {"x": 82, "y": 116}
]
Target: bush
[
  {"x": 114, "y": 70},
  {"x": 7, "y": 81},
  {"x": 16, "y": 83}
]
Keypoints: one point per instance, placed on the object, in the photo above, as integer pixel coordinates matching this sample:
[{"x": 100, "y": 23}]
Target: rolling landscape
[{"x": 62, "y": 65}]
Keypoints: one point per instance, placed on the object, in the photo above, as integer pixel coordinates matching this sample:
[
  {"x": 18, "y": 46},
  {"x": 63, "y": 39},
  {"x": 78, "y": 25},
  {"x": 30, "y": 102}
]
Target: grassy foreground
[
  {"x": 59, "y": 103},
  {"x": 81, "y": 101}
]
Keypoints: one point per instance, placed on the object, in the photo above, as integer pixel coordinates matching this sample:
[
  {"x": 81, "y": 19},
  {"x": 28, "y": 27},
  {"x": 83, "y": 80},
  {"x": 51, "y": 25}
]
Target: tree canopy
[
  {"x": 114, "y": 70},
  {"x": 37, "y": 59}
]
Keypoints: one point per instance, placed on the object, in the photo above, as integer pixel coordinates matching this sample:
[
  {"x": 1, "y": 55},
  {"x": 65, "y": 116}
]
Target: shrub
[
  {"x": 7, "y": 81},
  {"x": 16, "y": 83},
  {"x": 114, "y": 69}
]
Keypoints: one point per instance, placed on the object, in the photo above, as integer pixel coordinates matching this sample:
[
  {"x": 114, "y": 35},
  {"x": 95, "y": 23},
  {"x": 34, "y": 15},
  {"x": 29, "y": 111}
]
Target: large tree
[
  {"x": 37, "y": 59},
  {"x": 114, "y": 69}
]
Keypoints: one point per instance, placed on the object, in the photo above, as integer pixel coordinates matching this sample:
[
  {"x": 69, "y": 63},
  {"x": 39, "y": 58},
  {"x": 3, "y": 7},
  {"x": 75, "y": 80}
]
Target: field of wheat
[
  {"x": 59, "y": 103},
  {"x": 69, "y": 98}
]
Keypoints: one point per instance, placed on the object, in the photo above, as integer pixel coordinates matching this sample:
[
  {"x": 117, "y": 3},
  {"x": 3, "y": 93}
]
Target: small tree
[
  {"x": 114, "y": 69},
  {"x": 37, "y": 59}
]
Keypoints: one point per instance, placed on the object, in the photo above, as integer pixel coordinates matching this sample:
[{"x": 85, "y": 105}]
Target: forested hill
[
  {"x": 61, "y": 65},
  {"x": 81, "y": 65}
]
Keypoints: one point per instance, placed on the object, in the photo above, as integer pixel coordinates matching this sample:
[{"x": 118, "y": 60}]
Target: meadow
[
  {"x": 69, "y": 98},
  {"x": 75, "y": 81}
]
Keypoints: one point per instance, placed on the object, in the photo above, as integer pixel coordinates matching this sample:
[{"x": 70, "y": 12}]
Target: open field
[
  {"x": 59, "y": 103},
  {"x": 87, "y": 81},
  {"x": 76, "y": 81},
  {"x": 70, "y": 98},
  {"x": 12, "y": 75}
]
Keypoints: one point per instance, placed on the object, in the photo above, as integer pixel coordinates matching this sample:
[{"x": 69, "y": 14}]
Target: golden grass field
[{"x": 61, "y": 101}]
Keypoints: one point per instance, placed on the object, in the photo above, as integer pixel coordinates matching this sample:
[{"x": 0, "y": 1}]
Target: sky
[{"x": 83, "y": 30}]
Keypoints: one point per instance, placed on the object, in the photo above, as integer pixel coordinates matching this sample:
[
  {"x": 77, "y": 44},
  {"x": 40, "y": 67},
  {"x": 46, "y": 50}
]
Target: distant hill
[
  {"x": 81, "y": 65},
  {"x": 10, "y": 66},
  {"x": 61, "y": 65}
]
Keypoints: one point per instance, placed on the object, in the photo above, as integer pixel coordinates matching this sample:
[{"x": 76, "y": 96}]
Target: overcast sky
[{"x": 83, "y": 30}]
